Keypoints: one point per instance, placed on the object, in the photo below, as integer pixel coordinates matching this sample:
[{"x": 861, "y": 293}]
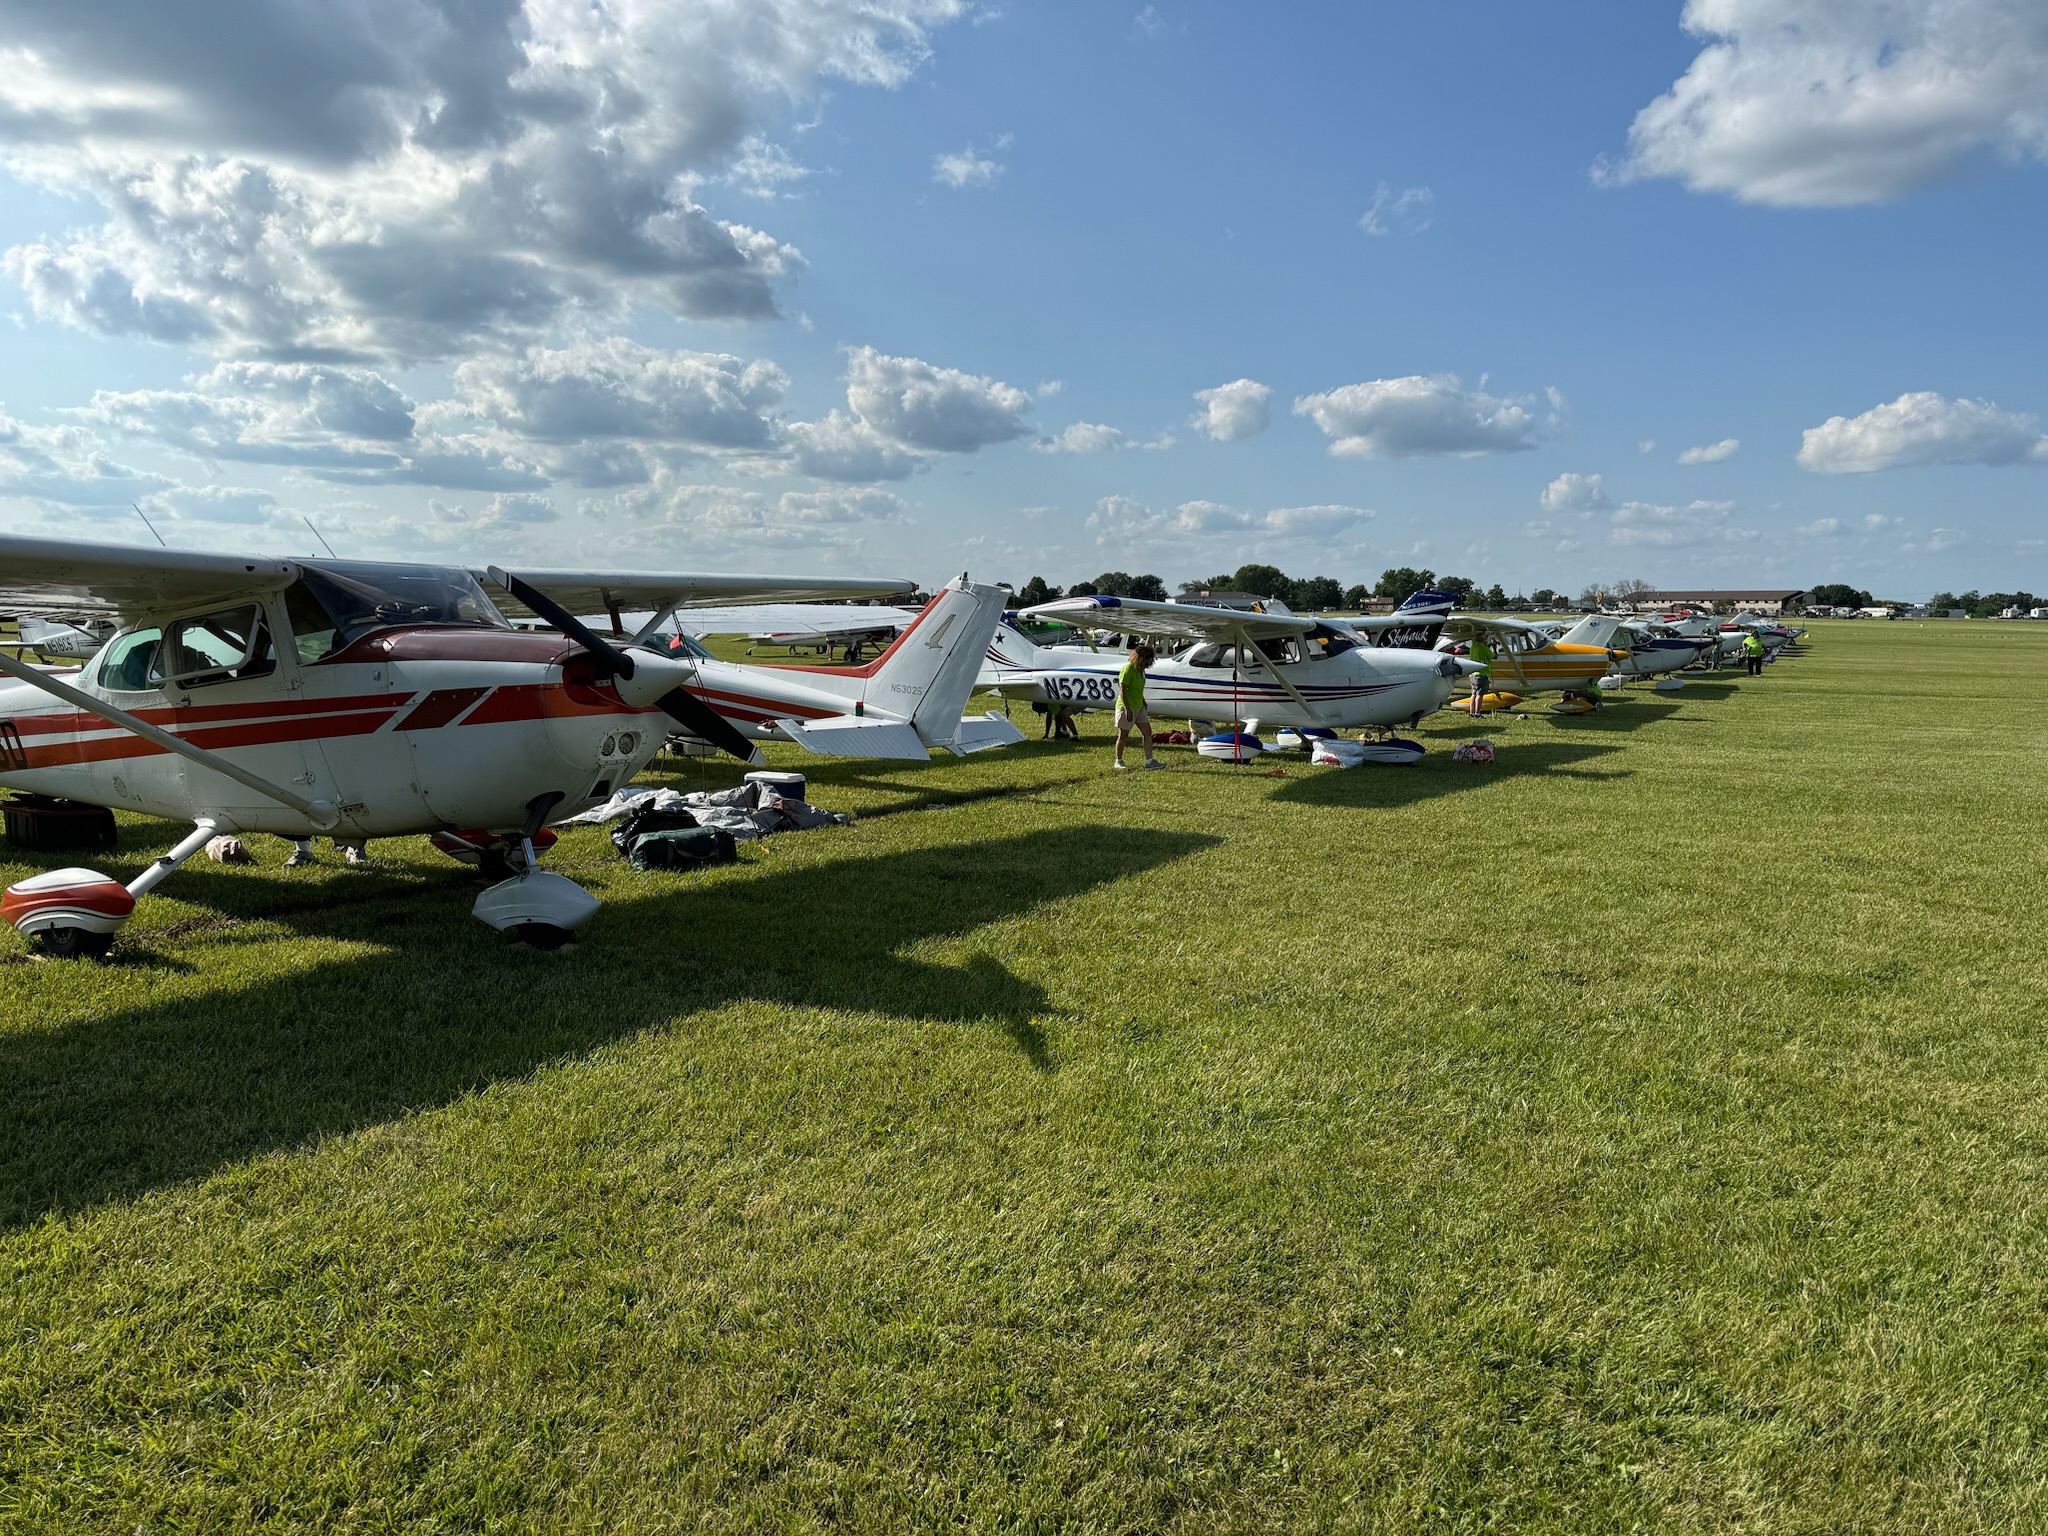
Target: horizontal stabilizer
[
  {"x": 978, "y": 733},
  {"x": 851, "y": 736}
]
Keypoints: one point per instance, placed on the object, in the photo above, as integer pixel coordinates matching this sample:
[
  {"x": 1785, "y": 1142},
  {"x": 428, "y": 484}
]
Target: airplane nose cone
[{"x": 653, "y": 676}]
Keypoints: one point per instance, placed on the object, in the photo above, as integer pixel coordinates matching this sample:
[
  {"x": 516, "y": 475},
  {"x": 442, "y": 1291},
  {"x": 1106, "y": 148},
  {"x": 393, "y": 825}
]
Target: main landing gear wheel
[
  {"x": 542, "y": 936},
  {"x": 75, "y": 943}
]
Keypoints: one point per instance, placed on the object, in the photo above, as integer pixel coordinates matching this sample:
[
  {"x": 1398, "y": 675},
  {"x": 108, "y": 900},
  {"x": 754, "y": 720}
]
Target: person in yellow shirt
[
  {"x": 1481, "y": 654},
  {"x": 1131, "y": 713}
]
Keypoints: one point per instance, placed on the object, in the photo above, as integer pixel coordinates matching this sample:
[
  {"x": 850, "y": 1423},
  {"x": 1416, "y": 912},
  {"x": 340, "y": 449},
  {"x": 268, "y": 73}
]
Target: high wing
[
  {"x": 70, "y": 579},
  {"x": 1172, "y": 621},
  {"x": 604, "y": 591},
  {"x": 797, "y": 621},
  {"x": 73, "y": 579},
  {"x": 1468, "y": 626}
]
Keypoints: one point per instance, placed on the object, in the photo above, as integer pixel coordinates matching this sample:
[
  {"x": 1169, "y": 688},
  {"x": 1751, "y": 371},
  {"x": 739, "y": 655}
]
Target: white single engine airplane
[
  {"x": 375, "y": 700},
  {"x": 1648, "y": 655},
  {"x": 78, "y": 641},
  {"x": 1236, "y": 664},
  {"x": 793, "y": 626}
]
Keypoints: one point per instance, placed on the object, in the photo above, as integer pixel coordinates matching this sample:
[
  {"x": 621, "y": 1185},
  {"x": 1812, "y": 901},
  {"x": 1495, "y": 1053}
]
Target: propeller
[{"x": 648, "y": 670}]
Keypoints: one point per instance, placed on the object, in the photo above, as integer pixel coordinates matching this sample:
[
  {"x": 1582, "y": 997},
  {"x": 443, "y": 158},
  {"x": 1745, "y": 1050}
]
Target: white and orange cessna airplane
[{"x": 364, "y": 700}]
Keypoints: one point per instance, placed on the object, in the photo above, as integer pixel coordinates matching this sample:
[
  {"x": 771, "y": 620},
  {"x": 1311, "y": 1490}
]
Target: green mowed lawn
[{"x": 1642, "y": 1133}]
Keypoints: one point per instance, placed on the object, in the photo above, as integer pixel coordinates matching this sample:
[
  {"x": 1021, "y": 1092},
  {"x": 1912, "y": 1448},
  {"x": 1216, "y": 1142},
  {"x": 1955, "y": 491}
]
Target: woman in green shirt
[{"x": 1130, "y": 705}]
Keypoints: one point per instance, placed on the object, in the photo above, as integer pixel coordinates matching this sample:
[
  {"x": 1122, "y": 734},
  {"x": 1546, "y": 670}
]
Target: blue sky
[{"x": 1738, "y": 292}]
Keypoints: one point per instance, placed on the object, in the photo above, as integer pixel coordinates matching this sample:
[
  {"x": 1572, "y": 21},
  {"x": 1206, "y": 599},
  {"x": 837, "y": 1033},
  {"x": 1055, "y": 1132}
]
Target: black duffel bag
[
  {"x": 682, "y": 848},
  {"x": 648, "y": 819}
]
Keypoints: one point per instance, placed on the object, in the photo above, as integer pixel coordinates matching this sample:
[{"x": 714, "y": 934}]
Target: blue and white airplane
[{"x": 1254, "y": 666}]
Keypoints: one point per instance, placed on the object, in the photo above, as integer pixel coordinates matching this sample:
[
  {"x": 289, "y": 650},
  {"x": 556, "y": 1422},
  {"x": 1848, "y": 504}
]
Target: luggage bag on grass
[{"x": 682, "y": 848}]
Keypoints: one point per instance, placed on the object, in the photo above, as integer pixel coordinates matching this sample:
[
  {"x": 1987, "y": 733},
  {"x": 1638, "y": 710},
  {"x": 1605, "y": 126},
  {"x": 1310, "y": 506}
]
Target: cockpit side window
[{"x": 227, "y": 646}]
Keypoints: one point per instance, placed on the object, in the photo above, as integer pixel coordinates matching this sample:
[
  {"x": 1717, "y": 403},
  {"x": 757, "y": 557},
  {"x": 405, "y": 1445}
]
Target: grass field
[{"x": 1645, "y": 1132}]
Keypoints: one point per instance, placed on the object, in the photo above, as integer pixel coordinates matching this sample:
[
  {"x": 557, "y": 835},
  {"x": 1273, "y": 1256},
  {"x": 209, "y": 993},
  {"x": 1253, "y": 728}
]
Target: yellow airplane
[{"x": 1527, "y": 661}]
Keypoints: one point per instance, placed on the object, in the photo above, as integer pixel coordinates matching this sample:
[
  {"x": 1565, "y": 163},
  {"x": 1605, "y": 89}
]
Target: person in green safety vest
[
  {"x": 1753, "y": 649},
  {"x": 1482, "y": 680},
  {"x": 1131, "y": 713}
]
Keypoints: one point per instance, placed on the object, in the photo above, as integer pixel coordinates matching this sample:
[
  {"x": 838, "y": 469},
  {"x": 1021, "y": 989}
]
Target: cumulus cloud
[
  {"x": 842, "y": 447},
  {"x": 1407, "y": 212},
  {"x": 1093, "y": 437},
  {"x": 1120, "y": 520},
  {"x": 1232, "y": 412},
  {"x": 1653, "y": 525},
  {"x": 921, "y": 406},
  {"x": 618, "y": 388},
  {"x": 1823, "y": 528},
  {"x": 968, "y": 167},
  {"x": 1420, "y": 416},
  {"x": 415, "y": 178},
  {"x": 337, "y": 423},
  {"x": 66, "y": 467},
  {"x": 668, "y": 514},
  {"x": 1575, "y": 493},
  {"x": 1825, "y": 103},
  {"x": 1712, "y": 453},
  {"x": 1923, "y": 428},
  {"x": 1083, "y": 437}
]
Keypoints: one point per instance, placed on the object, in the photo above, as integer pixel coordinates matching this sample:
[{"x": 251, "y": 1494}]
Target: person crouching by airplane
[
  {"x": 1130, "y": 705},
  {"x": 1753, "y": 652},
  {"x": 1481, "y": 654}
]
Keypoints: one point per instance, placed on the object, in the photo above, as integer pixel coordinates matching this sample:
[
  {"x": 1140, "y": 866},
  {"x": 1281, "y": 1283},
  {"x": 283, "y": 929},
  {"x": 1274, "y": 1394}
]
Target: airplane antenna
[
  {"x": 320, "y": 536},
  {"x": 147, "y": 523}
]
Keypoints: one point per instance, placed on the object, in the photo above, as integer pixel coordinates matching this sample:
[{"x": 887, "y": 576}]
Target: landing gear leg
[{"x": 73, "y": 913}]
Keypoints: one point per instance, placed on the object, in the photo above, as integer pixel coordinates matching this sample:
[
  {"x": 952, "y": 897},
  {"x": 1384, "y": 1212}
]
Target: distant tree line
[
  {"x": 1303, "y": 594},
  {"x": 1983, "y": 605}
]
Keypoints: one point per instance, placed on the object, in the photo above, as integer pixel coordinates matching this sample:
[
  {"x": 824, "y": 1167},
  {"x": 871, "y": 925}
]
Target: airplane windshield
[
  {"x": 677, "y": 643},
  {"x": 354, "y": 598}
]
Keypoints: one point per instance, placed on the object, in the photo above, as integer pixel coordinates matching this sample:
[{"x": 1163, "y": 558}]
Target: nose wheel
[
  {"x": 74, "y": 943},
  {"x": 545, "y": 937}
]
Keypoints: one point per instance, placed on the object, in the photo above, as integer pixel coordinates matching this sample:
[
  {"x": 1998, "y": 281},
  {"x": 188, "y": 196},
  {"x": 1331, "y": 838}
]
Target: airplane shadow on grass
[
  {"x": 112, "y": 1106},
  {"x": 1385, "y": 787}
]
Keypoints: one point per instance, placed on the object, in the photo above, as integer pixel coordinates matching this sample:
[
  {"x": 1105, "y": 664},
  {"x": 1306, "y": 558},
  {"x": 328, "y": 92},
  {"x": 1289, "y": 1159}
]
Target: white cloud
[
  {"x": 1653, "y": 525},
  {"x": 937, "y": 410},
  {"x": 1825, "y": 103},
  {"x": 842, "y": 447},
  {"x": 676, "y": 515},
  {"x": 1575, "y": 493},
  {"x": 1232, "y": 412},
  {"x": 1419, "y": 416},
  {"x": 409, "y": 180},
  {"x": 1923, "y": 428},
  {"x": 1647, "y": 446},
  {"x": 1083, "y": 437},
  {"x": 1147, "y": 23},
  {"x": 1313, "y": 522},
  {"x": 65, "y": 466},
  {"x": 1408, "y": 212},
  {"x": 618, "y": 388},
  {"x": 965, "y": 168},
  {"x": 1093, "y": 437},
  {"x": 1119, "y": 520},
  {"x": 1712, "y": 453},
  {"x": 1824, "y": 528}
]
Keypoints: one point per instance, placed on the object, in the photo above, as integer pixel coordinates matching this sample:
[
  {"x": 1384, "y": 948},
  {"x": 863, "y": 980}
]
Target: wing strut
[{"x": 320, "y": 813}]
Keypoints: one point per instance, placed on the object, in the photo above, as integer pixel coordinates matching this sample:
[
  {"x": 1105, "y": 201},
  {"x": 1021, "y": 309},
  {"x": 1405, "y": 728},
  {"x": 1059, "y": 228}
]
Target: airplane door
[{"x": 220, "y": 674}]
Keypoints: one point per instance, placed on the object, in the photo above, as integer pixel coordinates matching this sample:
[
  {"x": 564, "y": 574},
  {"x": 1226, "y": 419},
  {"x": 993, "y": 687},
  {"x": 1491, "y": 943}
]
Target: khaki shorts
[{"x": 1126, "y": 720}]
